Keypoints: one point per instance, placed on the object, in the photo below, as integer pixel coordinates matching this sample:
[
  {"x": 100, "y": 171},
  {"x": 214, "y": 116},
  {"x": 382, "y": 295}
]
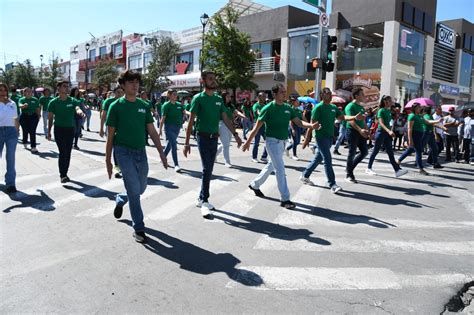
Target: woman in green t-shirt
[{"x": 30, "y": 114}]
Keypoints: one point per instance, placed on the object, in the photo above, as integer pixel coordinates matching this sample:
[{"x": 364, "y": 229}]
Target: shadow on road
[
  {"x": 91, "y": 191},
  {"x": 196, "y": 259},
  {"x": 381, "y": 199},
  {"x": 40, "y": 202},
  {"x": 410, "y": 191}
]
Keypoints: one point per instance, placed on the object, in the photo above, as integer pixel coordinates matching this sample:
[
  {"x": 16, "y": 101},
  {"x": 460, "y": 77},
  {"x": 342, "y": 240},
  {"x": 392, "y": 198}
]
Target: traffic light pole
[{"x": 319, "y": 70}]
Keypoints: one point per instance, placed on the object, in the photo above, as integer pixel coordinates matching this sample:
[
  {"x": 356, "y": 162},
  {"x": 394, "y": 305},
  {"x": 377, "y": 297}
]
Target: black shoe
[
  {"x": 65, "y": 180},
  {"x": 351, "y": 179},
  {"x": 76, "y": 147},
  {"x": 257, "y": 192},
  {"x": 88, "y": 129},
  {"x": 118, "y": 175},
  {"x": 287, "y": 204},
  {"x": 140, "y": 237},
  {"x": 336, "y": 152},
  {"x": 118, "y": 211},
  {"x": 437, "y": 166},
  {"x": 11, "y": 190}
]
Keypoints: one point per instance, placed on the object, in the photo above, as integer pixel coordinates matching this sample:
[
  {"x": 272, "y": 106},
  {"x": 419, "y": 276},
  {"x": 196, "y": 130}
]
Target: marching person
[
  {"x": 276, "y": 116},
  {"x": 127, "y": 119},
  {"x": 30, "y": 114},
  {"x": 44, "y": 101},
  {"x": 294, "y": 130},
  {"x": 63, "y": 111},
  {"x": 207, "y": 108},
  {"x": 261, "y": 134}
]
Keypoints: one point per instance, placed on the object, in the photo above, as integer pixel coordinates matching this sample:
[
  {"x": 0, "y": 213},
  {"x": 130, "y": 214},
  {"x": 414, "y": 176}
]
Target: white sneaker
[
  {"x": 25, "y": 146},
  {"x": 306, "y": 181},
  {"x": 264, "y": 160},
  {"x": 177, "y": 169},
  {"x": 34, "y": 150},
  {"x": 335, "y": 189},
  {"x": 400, "y": 173},
  {"x": 228, "y": 165},
  {"x": 287, "y": 153},
  {"x": 199, "y": 204},
  {"x": 255, "y": 160},
  {"x": 370, "y": 172},
  {"x": 206, "y": 209},
  {"x": 294, "y": 157}
]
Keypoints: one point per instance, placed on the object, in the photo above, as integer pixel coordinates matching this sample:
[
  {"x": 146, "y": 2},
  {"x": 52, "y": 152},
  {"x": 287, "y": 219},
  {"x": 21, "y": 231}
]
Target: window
[
  {"x": 419, "y": 15},
  {"x": 185, "y": 57},
  {"x": 263, "y": 50},
  {"x": 117, "y": 50},
  {"x": 428, "y": 25},
  {"x": 302, "y": 49},
  {"x": 147, "y": 57},
  {"x": 102, "y": 51},
  {"x": 466, "y": 69},
  {"x": 407, "y": 13},
  {"x": 92, "y": 55},
  {"x": 134, "y": 62}
]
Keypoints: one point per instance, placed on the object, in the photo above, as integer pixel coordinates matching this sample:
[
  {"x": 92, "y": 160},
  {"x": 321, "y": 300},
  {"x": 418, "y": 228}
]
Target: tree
[
  {"x": 24, "y": 75},
  {"x": 105, "y": 73},
  {"x": 51, "y": 75},
  {"x": 7, "y": 77},
  {"x": 163, "y": 51},
  {"x": 227, "y": 52}
]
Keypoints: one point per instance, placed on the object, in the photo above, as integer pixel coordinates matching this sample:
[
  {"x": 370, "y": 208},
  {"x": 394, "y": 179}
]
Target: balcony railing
[{"x": 264, "y": 65}]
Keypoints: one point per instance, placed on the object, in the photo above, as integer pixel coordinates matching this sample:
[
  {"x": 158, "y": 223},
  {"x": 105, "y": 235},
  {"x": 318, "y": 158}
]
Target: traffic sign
[
  {"x": 324, "y": 19},
  {"x": 314, "y": 3}
]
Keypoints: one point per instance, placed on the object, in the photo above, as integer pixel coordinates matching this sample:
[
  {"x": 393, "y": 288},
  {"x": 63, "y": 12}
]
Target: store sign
[
  {"x": 442, "y": 88},
  {"x": 446, "y": 36},
  {"x": 184, "y": 83},
  {"x": 357, "y": 82},
  {"x": 80, "y": 76}
]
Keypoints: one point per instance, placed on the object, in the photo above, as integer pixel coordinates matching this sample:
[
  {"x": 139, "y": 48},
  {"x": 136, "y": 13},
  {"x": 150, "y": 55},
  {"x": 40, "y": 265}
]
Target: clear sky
[{"x": 30, "y": 28}]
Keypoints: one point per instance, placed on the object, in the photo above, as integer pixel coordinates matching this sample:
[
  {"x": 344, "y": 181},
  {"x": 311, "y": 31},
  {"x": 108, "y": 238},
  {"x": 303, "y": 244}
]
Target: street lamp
[
  {"x": 204, "y": 20},
  {"x": 41, "y": 68},
  {"x": 306, "y": 44},
  {"x": 87, "y": 62}
]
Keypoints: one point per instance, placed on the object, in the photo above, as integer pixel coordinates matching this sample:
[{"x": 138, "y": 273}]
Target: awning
[{"x": 184, "y": 80}]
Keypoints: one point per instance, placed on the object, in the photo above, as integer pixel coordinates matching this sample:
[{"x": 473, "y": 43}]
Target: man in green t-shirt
[
  {"x": 15, "y": 97},
  {"x": 44, "y": 102},
  {"x": 208, "y": 108},
  {"x": 357, "y": 134},
  {"x": 63, "y": 110},
  {"x": 127, "y": 119},
  {"x": 30, "y": 114},
  {"x": 276, "y": 116},
  {"x": 256, "y": 108},
  {"x": 118, "y": 93},
  {"x": 324, "y": 114}
]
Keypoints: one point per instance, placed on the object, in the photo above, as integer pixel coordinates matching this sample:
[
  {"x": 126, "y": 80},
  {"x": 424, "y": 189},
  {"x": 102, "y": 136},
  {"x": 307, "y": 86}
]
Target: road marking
[
  {"x": 365, "y": 246},
  {"x": 293, "y": 278},
  {"x": 178, "y": 205}
]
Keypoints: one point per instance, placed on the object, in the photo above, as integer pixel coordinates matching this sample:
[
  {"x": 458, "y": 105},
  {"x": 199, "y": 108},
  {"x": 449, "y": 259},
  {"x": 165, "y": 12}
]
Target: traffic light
[
  {"x": 314, "y": 64},
  {"x": 331, "y": 45}
]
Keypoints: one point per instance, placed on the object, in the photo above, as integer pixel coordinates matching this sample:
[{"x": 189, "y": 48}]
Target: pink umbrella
[
  {"x": 337, "y": 100},
  {"x": 445, "y": 108},
  {"x": 39, "y": 89},
  {"x": 423, "y": 101}
]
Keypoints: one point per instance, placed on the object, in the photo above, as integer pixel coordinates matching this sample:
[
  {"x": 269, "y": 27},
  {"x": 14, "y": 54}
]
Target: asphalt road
[{"x": 385, "y": 245}]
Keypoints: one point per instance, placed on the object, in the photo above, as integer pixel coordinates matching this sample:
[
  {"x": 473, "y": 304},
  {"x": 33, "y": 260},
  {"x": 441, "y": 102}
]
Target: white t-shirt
[
  {"x": 438, "y": 130},
  {"x": 8, "y": 114}
]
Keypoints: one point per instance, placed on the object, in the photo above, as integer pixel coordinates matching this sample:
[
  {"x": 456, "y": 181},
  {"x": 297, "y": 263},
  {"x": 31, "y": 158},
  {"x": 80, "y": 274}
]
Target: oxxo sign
[{"x": 446, "y": 36}]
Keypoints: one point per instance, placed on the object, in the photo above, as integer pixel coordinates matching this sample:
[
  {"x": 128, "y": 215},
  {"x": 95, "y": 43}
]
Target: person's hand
[
  {"x": 238, "y": 140},
  {"x": 49, "y": 136},
  {"x": 359, "y": 116},
  {"x": 305, "y": 144},
  {"x": 246, "y": 146},
  {"x": 110, "y": 168},
  {"x": 24, "y": 106},
  {"x": 187, "y": 150},
  {"x": 164, "y": 161},
  {"x": 392, "y": 134},
  {"x": 410, "y": 143},
  {"x": 82, "y": 114},
  {"x": 364, "y": 133},
  {"x": 101, "y": 133},
  {"x": 316, "y": 125}
]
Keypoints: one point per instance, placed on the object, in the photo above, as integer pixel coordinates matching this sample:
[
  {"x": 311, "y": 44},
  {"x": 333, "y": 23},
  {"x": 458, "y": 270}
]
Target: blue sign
[{"x": 442, "y": 88}]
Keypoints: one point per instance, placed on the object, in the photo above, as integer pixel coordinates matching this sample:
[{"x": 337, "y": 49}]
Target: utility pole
[{"x": 319, "y": 71}]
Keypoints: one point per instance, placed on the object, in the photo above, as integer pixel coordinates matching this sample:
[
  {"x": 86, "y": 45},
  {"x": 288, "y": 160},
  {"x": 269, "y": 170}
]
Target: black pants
[
  {"x": 28, "y": 125},
  {"x": 452, "y": 141},
  {"x": 64, "y": 138},
  {"x": 466, "y": 147}
]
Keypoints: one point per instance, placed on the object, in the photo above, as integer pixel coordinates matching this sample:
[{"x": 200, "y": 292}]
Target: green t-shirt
[
  {"x": 173, "y": 113},
  {"x": 16, "y": 98},
  {"x": 325, "y": 114},
  {"x": 130, "y": 120},
  {"x": 64, "y": 111},
  {"x": 107, "y": 102},
  {"x": 257, "y": 108},
  {"x": 247, "y": 111},
  {"x": 44, "y": 101},
  {"x": 386, "y": 116},
  {"x": 428, "y": 127},
  {"x": 299, "y": 112},
  {"x": 277, "y": 119},
  {"x": 353, "y": 109},
  {"x": 208, "y": 110},
  {"x": 418, "y": 123},
  {"x": 229, "y": 111},
  {"x": 32, "y": 102}
]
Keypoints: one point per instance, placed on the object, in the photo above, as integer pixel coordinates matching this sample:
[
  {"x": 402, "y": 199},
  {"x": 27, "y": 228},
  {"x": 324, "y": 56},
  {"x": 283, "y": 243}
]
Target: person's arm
[
  {"x": 363, "y": 131},
  {"x": 103, "y": 116},
  {"x": 108, "y": 150},
  {"x": 410, "y": 133},
  {"x": 252, "y": 134},
  {"x": 17, "y": 125},
  {"x": 384, "y": 127},
  {"x": 304, "y": 124},
  {"x": 50, "y": 124},
  {"x": 156, "y": 140},
  {"x": 162, "y": 122},
  {"x": 359, "y": 116},
  {"x": 307, "y": 137},
  {"x": 80, "y": 112},
  {"x": 230, "y": 126},
  {"x": 189, "y": 129},
  {"x": 238, "y": 113}
]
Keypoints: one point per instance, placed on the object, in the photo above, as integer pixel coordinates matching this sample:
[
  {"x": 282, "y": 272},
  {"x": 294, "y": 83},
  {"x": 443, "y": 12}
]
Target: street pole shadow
[
  {"x": 91, "y": 191},
  {"x": 196, "y": 259},
  {"x": 382, "y": 199},
  {"x": 48, "y": 155},
  {"x": 40, "y": 202},
  {"x": 158, "y": 182}
]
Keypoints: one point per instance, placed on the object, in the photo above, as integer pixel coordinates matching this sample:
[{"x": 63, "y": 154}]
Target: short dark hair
[
  {"x": 205, "y": 73},
  {"x": 13, "y": 89},
  {"x": 61, "y": 83},
  {"x": 383, "y": 99},
  {"x": 169, "y": 92},
  {"x": 276, "y": 88},
  {"x": 356, "y": 91},
  {"x": 325, "y": 90},
  {"x": 129, "y": 75},
  {"x": 4, "y": 86}
]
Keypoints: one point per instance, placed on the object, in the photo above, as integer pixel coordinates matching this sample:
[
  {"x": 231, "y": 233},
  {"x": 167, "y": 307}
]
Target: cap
[{"x": 451, "y": 109}]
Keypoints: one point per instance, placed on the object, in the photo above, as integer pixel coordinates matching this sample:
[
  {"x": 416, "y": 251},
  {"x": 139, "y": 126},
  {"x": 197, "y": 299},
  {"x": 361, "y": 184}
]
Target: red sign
[{"x": 182, "y": 67}]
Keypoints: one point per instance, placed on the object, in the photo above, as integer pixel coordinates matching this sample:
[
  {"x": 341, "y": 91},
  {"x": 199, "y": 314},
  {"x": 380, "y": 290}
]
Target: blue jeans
[
  {"x": 246, "y": 126},
  {"x": 417, "y": 148},
  {"x": 134, "y": 167},
  {"x": 260, "y": 133},
  {"x": 275, "y": 149},
  {"x": 45, "y": 123},
  {"x": 9, "y": 138},
  {"x": 322, "y": 154},
  {"x": 341, "y": 137},
  {"x": 226, "y": 136},
  {"x": 355, "y": 140},
  {"x": 383, "y": 138},
  {"x": 88, "y": 117},
  {"x": 296, "y": 140},
  {"x": 207, "y": 150},
  {"x": 172, "y": 132},
  {"x": 429, "y": 138},
  {"x": 78, "y": 129}
]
